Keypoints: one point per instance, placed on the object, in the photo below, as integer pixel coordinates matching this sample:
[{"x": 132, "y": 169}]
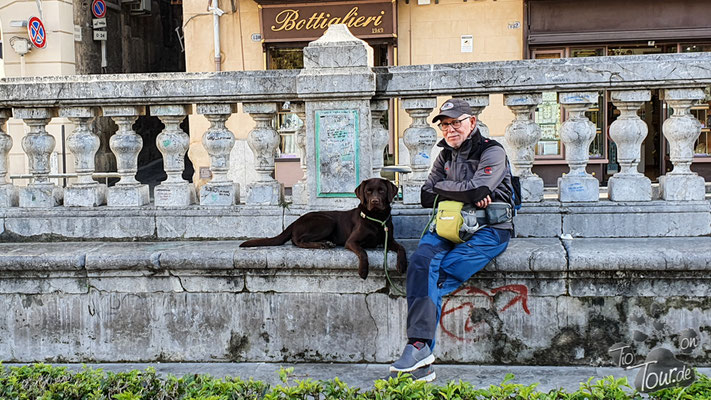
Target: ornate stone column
[
  {"x": 8, "y": 192},
  {"x": 173, "y": 143},
  {"x": 218, "y": 141},
  {"x": 576, "y": 133},
  {"x": 126, "y": 144},
  {"x": 478, "y": 104},
  {"x": 379, "y": 140},
  {"x": 520, "y": 139},
  {"x": 300, "y": 191},
  {"x": 263, "y": 140},
  {"x": 83, "y": 144},
  {"x": 38, "y": 145},
  {"x": 628, "y": 132},
  {"x": 419, "y": 139},
  {"x": 681, "y": 129}
]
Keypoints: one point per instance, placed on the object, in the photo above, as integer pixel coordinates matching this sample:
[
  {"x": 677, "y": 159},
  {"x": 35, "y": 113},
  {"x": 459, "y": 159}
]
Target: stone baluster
[
  {"x": 520, "y": 138},
  {"x": 126, "y": 144},
  {"x": 681, "y": 129},
  {"x": 83, "y": 144},
  {"x": 218, "y": 141},
  {"x": 379, "y": 140},
  {"x": 300, "y": 192},
  {"x": 419, "y": 139},
  {"x": 173, "y": 143},
  {"x": 576, "y": 133},
  {"x": 628, "y": 132},
  {"x": 8, "y": 192},
  {"x": 263, "y": 140},
  {"x": 478, "y": 104},
  {"x": 38, "y": 145}
]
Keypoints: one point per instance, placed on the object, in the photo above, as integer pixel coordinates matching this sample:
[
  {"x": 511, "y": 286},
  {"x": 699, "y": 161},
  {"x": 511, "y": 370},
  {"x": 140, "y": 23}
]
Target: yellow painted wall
[
  {"x": 57, "y": 58},
  {"x": 426, "y": 34},
  {"x": 432, "y": 34}
]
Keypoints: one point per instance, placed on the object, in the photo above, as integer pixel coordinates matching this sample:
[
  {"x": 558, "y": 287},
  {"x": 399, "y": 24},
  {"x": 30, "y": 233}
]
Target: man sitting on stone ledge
[{"x": 473, "y": 170}]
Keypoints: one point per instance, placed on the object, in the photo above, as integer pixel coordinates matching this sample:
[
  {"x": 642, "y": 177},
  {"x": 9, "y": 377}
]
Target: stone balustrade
[
  {"x": 342, "y": 104},
  {"x": 547, "y": 300}
]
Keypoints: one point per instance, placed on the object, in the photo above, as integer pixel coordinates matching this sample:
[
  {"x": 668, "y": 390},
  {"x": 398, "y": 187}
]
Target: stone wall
[{"x": 542, "y": 302}]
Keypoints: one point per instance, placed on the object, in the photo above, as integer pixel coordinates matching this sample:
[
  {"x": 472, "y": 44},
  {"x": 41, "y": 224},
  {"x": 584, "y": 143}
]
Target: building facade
[{"x": 269, "y": 34}]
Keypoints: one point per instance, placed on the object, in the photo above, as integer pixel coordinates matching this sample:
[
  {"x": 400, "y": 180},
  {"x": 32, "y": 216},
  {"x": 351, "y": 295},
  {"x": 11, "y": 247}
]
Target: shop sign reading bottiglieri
[{"x": 303, "y": 22}]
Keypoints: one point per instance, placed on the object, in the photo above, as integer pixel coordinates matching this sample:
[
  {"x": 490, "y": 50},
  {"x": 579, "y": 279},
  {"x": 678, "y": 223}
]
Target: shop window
[
  {"x": 287, "y": 124},
  {"x": 286, "y": 58},
  {"x": 588, "y": 52},
  {"x": 695, "y": 48},
  {"x": 702, "y": 146},
  {"x": 631, "y": 50},
  {"x": 548, "y": 119},
  {"x": 596, "y": 116}
]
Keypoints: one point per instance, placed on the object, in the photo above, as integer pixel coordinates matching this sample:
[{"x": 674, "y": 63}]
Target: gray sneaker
[
  {"x": 412, "y": 359},
  {"x": 426, "y": 373}
]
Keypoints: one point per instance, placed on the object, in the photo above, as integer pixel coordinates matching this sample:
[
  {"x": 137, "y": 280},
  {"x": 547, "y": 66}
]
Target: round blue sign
[
  {"x": 37, "y": 33},
  {"x": 98, "y": 8}
]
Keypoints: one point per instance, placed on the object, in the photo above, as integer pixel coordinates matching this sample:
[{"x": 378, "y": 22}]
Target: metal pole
[
  {"x": 104, "y": 63},
  {"x": 64, "y": 157},
  {"x": 216, "y": 28}
]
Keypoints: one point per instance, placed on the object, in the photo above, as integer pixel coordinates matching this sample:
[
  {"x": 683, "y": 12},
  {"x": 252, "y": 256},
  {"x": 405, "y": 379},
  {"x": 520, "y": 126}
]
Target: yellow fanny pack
[{"x": 449, "y": 220}]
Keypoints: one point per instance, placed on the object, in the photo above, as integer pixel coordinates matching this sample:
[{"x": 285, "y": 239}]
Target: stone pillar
[
  {"x": 83, "y": 144},
  {"x": 478, "y": 104},
  {"x": 218, "y": 141},
  {"x": 38, "y": 145},
  {"x": 337, "y": 84},
  {"x": 173, "y": 143},
  {"x": 681, "y": 129},
  {"x": 628, "y": 132},
  {"x": 379, "y": 140},
  {"x": 520, "y": 138},
  {"x": 419, "y": 139},
  {"x": 576, "y": 133},
  {"x": 263, "y": 140},
  {"x": 8, "y": 192},
  {"x": 126, "y": 144},
  {"x": 300, "y": 190}
]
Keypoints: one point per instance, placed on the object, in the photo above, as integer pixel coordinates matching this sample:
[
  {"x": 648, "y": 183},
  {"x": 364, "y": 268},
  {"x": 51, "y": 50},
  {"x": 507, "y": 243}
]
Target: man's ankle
[{"x": 419, "y": 343}]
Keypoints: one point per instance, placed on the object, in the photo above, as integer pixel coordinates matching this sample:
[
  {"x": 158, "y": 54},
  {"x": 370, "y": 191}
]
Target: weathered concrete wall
[
  {"x": 548, "y": 219},
  {"x": 544, "y": 301}
]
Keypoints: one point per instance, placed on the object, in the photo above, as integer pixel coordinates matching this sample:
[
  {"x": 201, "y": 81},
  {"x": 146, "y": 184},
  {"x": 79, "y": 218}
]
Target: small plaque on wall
[{"x": 337, "y": 152}]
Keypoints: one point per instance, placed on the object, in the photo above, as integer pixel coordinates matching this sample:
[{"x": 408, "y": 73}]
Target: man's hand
[{"x": 483, "y": 203}]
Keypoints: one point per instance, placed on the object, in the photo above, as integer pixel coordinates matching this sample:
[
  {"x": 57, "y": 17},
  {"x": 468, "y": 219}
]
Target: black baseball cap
[{"x": 453, "y": 108}]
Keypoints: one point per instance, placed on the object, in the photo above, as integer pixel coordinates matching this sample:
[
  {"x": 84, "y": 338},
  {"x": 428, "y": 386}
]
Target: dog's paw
[
  {"x": 363, "y": 272},
  {"x": 328, "y": 245},
  {"x": 402, "y": 265}
]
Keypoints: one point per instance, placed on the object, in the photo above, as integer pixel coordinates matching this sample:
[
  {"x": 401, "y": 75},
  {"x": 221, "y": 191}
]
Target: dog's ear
[
  {"x": 392, "y": 190},
  {"x": 359, "y": 192}
]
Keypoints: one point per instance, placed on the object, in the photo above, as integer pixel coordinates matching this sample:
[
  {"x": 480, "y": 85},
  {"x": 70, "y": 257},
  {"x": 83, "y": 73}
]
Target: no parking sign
[
  {"x": 98, "y": 8},
  {"x": 37, "y": 33}
]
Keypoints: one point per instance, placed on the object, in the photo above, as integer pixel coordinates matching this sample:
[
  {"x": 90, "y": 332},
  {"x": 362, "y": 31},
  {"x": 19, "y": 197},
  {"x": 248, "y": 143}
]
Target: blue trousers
[{"x": 438, "y": 267}]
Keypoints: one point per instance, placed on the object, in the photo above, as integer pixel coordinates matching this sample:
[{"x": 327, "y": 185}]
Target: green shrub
[{"x": 46, "y": 382}]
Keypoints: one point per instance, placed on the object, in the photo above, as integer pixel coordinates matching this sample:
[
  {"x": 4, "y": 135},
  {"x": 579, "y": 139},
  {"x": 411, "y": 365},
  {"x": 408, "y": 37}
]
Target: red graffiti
[{"x": 521, "y": 295}]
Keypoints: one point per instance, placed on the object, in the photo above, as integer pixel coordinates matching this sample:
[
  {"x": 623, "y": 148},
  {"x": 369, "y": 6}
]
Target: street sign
[
  {"x": 98, "y": 8},
  {"x": 98, "y": 23},
  {"x": 100, "y": 35},
  {"x": 37, "y": 33}
]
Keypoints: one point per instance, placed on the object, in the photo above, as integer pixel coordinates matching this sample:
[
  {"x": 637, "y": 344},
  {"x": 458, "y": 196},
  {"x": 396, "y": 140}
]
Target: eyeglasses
[{"x": 454, "y": 124}]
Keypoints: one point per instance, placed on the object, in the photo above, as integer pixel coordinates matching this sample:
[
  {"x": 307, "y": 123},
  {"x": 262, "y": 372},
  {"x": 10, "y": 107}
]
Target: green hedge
[{"x": 47, "y": 382}]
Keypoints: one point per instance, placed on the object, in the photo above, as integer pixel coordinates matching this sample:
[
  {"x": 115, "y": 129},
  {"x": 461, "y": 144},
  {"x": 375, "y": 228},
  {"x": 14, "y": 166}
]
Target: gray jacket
[{"x": 478, "y": 168}]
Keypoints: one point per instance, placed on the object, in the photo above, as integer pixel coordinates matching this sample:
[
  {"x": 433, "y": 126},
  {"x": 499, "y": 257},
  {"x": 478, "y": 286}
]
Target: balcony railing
[{"x": 338, "y": 90}]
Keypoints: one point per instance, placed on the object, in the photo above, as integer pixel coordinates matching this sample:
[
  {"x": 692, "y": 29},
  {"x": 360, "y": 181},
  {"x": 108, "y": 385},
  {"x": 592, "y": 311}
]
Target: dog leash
[{"x": 396, "y": 288}]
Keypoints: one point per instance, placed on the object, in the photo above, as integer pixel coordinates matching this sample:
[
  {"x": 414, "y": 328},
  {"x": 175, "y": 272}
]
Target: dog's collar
[{"x": 382, "y": 223}]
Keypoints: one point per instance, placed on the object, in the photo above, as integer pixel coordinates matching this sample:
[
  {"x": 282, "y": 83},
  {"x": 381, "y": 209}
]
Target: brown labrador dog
[{"x": 351, "y": 229}]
